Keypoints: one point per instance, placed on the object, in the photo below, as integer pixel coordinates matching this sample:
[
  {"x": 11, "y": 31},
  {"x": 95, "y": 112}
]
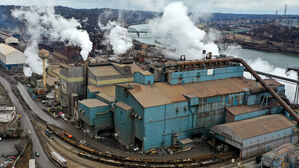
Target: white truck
[
  {"x": 59, "y": 159},
  {"x": 32, "y": 163}
]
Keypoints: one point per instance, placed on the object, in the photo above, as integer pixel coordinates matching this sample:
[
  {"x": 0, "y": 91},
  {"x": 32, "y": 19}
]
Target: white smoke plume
[
  {"x": 42, "y": 20},
  {"x": 180, "y": 33},
  {"x": 118, "y": 37},
  {"x": 264, "y": 66},
  {"x": 148, "y": 5}
]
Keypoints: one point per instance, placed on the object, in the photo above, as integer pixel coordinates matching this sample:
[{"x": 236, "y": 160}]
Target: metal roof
[
  {"x": 107, "y": 90},
  {"x": 105, "y": 97},
  {"x": 164, "y": 93},
  {"x": 100, "y": 71},
  {"x": 134, "y": 68},
  {"x": 254, "y": 127},
  {"x": 51, "y": 80},
  {"x": 7, "y": 50},
  {"x": 93, "y": 103},
  {"x": 242, "y": 109},
  {"x": 123, "y": 105},
  {"x": 145, "y": 73}
]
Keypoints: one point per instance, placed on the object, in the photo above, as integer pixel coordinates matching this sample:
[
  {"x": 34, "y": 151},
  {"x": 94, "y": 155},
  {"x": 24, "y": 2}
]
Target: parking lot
[{"x": 7, "y": 148}]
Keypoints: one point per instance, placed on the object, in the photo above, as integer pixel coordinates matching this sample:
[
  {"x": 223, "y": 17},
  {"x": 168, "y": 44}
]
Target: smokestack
[
  {"x": 85, "y": 80},
  {"x": 285, "y": 9},
  {"x": 44, "y": 54},
  {"x": 210, "y": 55},
  {"x": 204, "y": 52}
]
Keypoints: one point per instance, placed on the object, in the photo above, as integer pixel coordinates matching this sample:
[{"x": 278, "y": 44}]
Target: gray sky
[{"x": 226, "y": 6}]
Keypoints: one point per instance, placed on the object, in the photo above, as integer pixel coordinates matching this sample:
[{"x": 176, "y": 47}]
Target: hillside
[{"x": 93, "y": 15}]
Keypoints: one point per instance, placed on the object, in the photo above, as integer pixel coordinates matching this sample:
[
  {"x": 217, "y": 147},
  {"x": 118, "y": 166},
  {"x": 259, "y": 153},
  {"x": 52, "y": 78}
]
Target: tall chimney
[
  {"x": 85, "y": 80},
  {"x": 204, "y": 52},
  {"x": 210, "y": 55}
]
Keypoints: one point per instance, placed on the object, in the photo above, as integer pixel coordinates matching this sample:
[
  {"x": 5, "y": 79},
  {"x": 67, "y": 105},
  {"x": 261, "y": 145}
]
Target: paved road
[
  {"x": 42, "y": 161},
  {"x": 34, "y": 107},
  {"x": 57, "y": 122}
]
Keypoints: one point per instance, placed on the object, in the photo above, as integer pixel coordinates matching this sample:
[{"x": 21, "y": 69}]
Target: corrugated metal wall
[
  {"x": 203, "y": 75},
  {"x": 264, "y": 143}
]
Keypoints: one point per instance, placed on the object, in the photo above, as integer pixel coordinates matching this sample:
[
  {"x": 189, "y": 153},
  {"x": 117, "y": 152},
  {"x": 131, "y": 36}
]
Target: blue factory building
[
  {"x": 96, "y": 115},
  {"x": 186, "y": 102}
]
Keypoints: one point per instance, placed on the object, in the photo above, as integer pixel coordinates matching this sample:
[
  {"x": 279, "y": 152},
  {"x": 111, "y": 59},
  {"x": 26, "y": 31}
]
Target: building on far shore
[{"x": 11, "y": 58}]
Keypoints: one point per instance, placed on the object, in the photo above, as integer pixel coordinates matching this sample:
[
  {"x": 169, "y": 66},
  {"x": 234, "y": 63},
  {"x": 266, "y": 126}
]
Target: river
[
  {"x": 275, "y": 59},
  {"x": 274, "y": 63}
]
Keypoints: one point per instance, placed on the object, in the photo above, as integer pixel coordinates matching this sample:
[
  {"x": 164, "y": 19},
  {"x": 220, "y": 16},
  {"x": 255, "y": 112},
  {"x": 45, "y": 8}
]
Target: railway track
[{"x": 116, "y": 160}]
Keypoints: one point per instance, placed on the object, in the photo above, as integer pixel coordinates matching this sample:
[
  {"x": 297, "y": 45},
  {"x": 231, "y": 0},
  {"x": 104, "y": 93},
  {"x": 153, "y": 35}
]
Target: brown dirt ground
[{"x": 24, "y": 159}]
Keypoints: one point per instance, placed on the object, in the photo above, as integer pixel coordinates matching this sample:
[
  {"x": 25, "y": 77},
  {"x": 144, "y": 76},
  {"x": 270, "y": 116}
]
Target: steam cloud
[
  {"x": 118, "y": 37},
  {"x": 152, "y": 5},
  {"x": 264, "y": 66},
  {"x": 180, "y": 33},
  {"x": 42, "y": 20}
]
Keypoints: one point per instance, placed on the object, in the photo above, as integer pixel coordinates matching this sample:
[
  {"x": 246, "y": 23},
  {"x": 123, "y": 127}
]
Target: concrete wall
[{"x": 71, "y": 81}]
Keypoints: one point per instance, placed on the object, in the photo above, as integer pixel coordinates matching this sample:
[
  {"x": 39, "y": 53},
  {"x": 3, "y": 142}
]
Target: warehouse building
[
  {"x": 11, "y": 58},
  {"x": 7, "y": 37},
  {"x": 7, "y": 114},
  {"x": 257, "y": 135},
  {"x": 187, "y": 102}
]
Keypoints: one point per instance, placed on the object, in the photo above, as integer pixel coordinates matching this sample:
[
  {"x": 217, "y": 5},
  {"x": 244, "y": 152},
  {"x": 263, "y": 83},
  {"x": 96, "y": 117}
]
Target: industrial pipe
[
  {"x": 269, "y": 89},
  {"x": 277, "y": 77},
  {"x": 249, "y": 69}
]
